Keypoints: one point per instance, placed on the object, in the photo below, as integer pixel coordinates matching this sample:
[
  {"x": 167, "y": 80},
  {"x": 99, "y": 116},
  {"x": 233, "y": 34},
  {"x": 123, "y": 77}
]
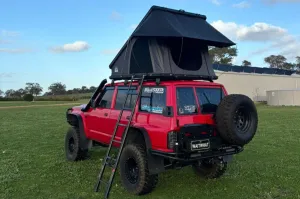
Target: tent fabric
[
  {"x": 169, "y": 43},
  {"x": 162, "y": 23},
  {"x": 162, "y": 57}
]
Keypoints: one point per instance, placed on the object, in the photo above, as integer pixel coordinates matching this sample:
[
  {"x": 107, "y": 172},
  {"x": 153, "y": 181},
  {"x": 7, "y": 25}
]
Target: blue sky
[{"x": 73, "y": 42}]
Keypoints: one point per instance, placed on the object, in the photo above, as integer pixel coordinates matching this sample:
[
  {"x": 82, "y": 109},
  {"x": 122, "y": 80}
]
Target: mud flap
[
  {"x": 155, "y": 164},
  {"x": 227, "y": 158}
]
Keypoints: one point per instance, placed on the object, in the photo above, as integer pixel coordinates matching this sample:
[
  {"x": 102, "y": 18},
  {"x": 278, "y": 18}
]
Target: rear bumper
[{"x": 190, "y": 157}]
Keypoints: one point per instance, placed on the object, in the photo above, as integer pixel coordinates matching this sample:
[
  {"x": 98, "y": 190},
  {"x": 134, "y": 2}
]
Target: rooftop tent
[{"x": 171, "y": 44}]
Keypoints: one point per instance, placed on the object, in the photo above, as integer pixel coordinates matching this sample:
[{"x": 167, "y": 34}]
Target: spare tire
[{"x": 236, "y": 119}]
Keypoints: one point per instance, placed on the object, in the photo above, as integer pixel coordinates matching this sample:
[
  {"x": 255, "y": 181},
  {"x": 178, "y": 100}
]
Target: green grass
[
  {"x": 23, "y": 103},
  {"x": 32, "y": 162}
]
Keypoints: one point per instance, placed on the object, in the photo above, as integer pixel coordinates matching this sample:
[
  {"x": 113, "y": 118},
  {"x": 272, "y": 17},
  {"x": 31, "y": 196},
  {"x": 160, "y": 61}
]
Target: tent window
[
  {"x": 140, "y": 60},
  {"x": 185, "y": 53}
]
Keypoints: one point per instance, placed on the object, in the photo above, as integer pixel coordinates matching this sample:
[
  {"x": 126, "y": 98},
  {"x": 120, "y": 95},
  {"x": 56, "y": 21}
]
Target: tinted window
[
  {"x": 153, "y": 99},
  {"x": 121, "y": 96},
  {"x": 209, "y": 99},
  {"x": 106, "y": 99},
  {"x": 186, "y": 102}
]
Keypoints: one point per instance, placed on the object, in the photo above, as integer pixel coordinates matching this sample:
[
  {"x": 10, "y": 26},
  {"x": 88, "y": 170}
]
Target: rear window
[
  {"x": 186, "y": 102},
  {"x": 209, "y": 99}
]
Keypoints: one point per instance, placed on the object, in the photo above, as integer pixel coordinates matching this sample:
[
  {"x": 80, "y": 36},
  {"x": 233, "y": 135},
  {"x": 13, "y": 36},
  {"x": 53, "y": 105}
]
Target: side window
[
  {"x": 153, "y": 99},
  {"x": 186, "y": 102},
  {"x": 106, "y": 100},
  {"x": 121, "y": 96}
]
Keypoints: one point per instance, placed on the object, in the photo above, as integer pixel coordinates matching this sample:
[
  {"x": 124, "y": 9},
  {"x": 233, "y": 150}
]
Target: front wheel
[
  {"x": 72, "y": 147},
  {"x": 210, "y": 169},
  {"x": 134, "y": 171}
]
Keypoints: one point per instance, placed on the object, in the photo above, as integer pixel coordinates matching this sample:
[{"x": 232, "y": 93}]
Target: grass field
[
  {"x": 38, "y": 103},
  {"x": 33, "y": 165}
]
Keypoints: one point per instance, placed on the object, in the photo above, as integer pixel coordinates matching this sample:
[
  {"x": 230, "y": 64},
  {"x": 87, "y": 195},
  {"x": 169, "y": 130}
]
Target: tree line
[
  {"x": 35, "y": 89},
  {"x": 226, "y": 56}
]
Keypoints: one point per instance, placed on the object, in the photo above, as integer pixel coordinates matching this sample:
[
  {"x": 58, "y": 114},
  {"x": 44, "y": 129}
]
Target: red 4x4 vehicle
[
  {"x": 174, "y": 120},
  {"x": 176, "y": 123}
]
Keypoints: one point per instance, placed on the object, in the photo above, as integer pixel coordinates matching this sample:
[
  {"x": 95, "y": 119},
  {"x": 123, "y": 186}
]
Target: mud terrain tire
[
  {"x": 134, "y": 171},
  {"x": 72, "y": 148},
  {"x": 236, "y": 119}
]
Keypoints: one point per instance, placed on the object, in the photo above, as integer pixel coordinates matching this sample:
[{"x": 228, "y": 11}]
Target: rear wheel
[
  {"x": 134, "y": 171},
  {"x": 210, "y": 169},
  {"x": 72, "y": 147}
]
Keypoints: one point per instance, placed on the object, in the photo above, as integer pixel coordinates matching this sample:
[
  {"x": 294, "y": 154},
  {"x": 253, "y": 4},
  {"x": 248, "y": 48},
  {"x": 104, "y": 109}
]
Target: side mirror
[
  {"x": 168, "y": 111},
  {"x": 93, "y": 104}
]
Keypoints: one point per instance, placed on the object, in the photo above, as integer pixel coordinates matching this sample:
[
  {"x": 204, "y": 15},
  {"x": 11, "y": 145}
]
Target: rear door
[
  {"x": 115, "y": 112},
  {"x": 196, "y": 105}
]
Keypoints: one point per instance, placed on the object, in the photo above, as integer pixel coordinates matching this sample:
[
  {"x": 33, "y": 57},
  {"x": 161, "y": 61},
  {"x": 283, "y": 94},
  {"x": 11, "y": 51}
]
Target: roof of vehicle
[{"x": 178, "y": 82}]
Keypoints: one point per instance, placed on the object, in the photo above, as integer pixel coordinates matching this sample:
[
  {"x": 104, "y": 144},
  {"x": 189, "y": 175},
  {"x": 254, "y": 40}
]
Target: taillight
[{"x": 172, "y": 139}]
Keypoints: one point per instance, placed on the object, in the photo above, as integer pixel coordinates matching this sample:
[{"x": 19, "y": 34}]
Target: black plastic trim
[
  {"x": 84, "y": 141},
  {"x": 155, "y": 163},
  {"x": 185, "y": 157},
  {"x": 154, "y": 76}
]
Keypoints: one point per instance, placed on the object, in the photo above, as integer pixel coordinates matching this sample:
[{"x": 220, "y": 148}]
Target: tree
[
  {"x": 57, "y": 88},
  {"x": 76, "y": 90},
  {"x": 28, "y": 97},
  {"x": 297, "y": 65},
  {"x": 246, "y": 63},
  {"x": 84, "y": 89},
  {"x": 222, "y": 55},
  {"x": 92, "y": 89},
  {"x": 33, "y": 88},
  {"x": 10, "y": 93},
  {"x": 20, "y": 93},
  {"x": 1, "y": 92},
  {"x": 289, "y": 66},
  {"x": 276, "y": 61}
]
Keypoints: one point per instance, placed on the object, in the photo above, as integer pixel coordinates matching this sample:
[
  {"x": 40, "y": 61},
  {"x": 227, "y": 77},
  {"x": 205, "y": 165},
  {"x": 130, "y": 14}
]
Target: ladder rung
[
  {"x": 123, "y": 125},
  {"x": 110, "y": 164},
  {"x": 117, "y": 141}
]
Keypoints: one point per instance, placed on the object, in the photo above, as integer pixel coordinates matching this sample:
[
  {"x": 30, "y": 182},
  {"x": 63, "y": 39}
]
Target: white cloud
[
  {"x": 7, "y": 33},
  {"x": 110, "y": 51},
  {"x": 15, "y": 50},
  {"x": 256, "y": 32},
  {"x": 243, "y": 4},
  {"x": 77, "y": 46},
  {"x": 276, "y": 38},
  {"x": 115, "y": 16},
  {"x": 216, "y": 2}
]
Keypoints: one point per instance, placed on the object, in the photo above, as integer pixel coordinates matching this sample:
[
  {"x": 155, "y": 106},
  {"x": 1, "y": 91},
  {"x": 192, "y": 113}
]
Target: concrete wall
[
  {"x": 256, "y": 85},
  {"x": 283, "y": 97}
]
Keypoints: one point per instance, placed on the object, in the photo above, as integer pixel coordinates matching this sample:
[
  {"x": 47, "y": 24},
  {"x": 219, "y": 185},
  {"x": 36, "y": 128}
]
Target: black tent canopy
[{"x": 169, "y": 44}]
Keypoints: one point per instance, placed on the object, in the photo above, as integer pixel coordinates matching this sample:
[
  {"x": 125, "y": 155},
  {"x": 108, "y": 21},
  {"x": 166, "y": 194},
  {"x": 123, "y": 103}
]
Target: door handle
[{"x": 105, "y": 114}]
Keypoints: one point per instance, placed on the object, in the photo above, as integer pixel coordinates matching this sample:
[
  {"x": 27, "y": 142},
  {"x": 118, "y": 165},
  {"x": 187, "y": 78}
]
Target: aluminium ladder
[{"x": 109, "y": 160}]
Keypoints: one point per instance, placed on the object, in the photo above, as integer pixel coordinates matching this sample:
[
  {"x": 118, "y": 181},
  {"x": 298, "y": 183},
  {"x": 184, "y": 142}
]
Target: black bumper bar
[{"x": 187, "y": 157}]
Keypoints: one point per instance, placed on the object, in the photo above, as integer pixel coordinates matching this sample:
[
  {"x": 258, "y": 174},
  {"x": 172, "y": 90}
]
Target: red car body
[{"x": 99, "y": 123}]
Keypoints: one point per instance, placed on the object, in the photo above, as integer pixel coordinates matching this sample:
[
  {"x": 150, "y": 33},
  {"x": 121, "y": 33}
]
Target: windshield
[{"x": 209, "y": 99}]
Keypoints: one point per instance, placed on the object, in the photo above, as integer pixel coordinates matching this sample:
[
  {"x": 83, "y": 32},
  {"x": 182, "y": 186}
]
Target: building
[{"x": 255, "y": 82}]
